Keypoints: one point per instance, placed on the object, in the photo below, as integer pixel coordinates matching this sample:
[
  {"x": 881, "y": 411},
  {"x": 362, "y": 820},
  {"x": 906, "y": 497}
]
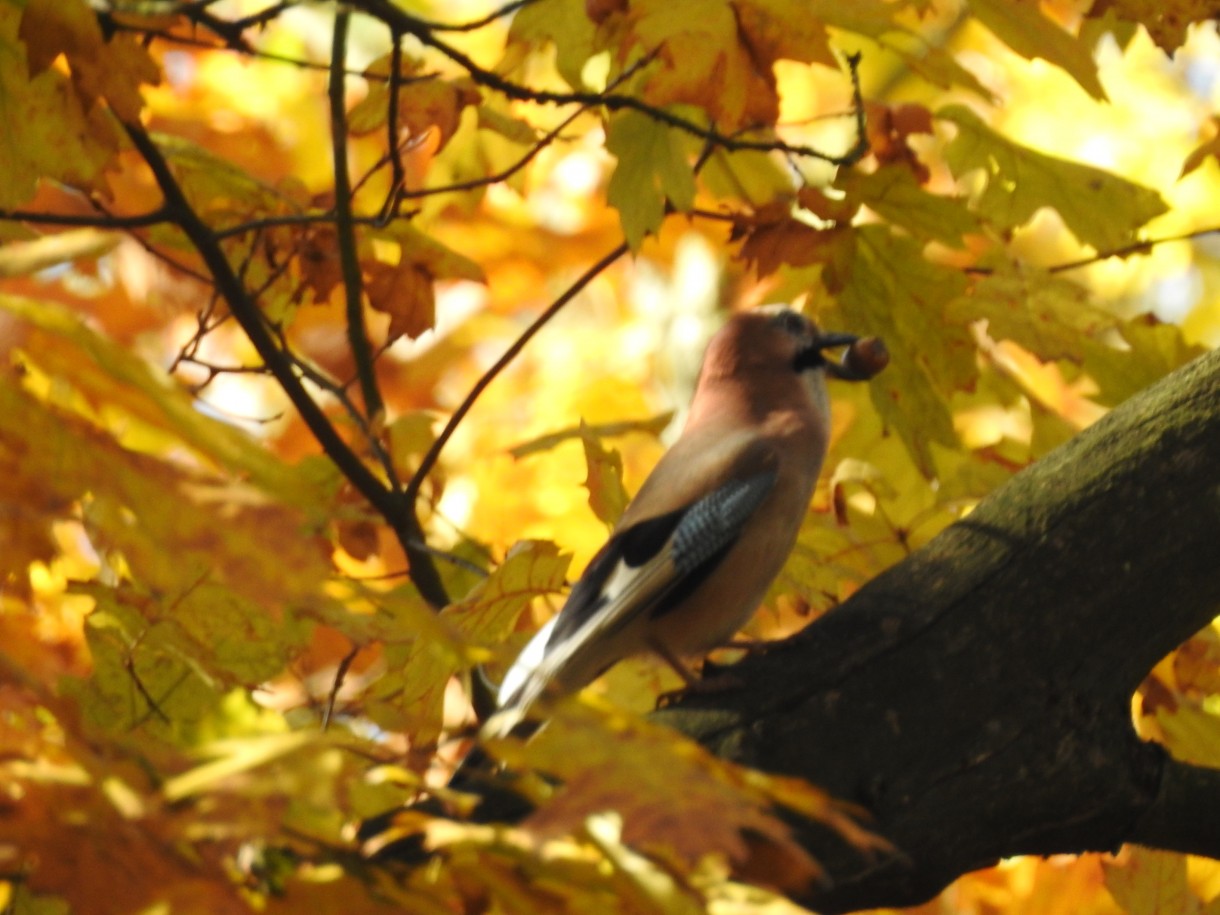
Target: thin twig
[
  {"x": 398, "y": 172},
  {"x": 429, "y": 459},
  {"x": 357, "y": 337},
  {"x": 395, "y": 17},
  {"x": 475, "y": 24},
  {"x": 388, "y": 504},
  {"x": 340, "y": 673},
  {"x": 138, "y": 221}
]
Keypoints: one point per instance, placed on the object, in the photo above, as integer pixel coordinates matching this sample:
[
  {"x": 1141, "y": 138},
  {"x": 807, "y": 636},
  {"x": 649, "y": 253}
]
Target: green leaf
[
  {"x": 1148, "y": 352},
  {"x": 892, "y": 292},
  {"x": 1101, "y": 209},
  {"x": 893, "y": 193},
  {"x": 1048, "y": 315},
  {"x": 652, "y": 170},
  {"x": 566, "y": 25},
  {"x": 751, "y": 177},
  {"x": 1021, "y": 25}
]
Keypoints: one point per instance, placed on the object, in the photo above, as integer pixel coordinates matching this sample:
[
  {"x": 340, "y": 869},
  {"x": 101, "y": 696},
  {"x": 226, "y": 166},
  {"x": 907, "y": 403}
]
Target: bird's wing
[{"x": 646, "y": 568}]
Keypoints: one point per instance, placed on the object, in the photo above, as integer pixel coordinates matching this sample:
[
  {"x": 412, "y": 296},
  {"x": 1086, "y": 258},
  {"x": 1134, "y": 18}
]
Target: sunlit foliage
[{"x": 259, "y": 261}]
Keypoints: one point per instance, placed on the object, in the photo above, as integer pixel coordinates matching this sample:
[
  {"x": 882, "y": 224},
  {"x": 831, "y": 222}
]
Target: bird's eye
[{"x": 793, "y": 324}]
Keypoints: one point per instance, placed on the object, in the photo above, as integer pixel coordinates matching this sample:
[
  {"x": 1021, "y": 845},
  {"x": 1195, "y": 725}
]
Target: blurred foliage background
[{"x": 212, "y": 661}]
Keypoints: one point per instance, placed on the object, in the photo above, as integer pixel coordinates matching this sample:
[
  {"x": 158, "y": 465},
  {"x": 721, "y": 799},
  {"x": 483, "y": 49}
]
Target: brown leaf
[
  {"x": 113, "y": 69},
  {"x": 888, "y": 129},
  {"x": 406, "y": 293},
  {"x": 788, "y": 241},
  {"x": 675, "y": 798}
]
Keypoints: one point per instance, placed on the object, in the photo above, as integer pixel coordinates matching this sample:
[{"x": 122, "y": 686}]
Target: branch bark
[
  {"x": 398, "y": 511},
  {"x": 976, "y": 698}
]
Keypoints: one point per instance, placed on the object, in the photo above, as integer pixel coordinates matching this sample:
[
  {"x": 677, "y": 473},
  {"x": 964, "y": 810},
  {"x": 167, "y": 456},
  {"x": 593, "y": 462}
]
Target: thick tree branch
[
  {"x": 1185, "y": 814},
  {"x": 975, "y": 698}
]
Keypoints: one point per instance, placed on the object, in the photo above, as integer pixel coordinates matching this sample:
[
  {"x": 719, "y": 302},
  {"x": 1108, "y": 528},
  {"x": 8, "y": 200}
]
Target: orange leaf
[
  {"x": 406, "y": 293},
  {"x": 789, "y": 241},
  {"x": 111, "y": 69}
]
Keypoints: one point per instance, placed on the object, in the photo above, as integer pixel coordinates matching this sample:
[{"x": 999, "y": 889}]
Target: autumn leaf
[
  {"x": 701, "y": 60},
  {"x": 563, "y": 23},
  {"x": 607, "y": 497},
  {"x": 791, "y": 242},
  {"x": 1150, "y": 881},
  {"x": 895, "y": 194},
  {"x": 424, "y": 103},
  {"x": 888, "y": 129},
  {"x": 893, "y": 293},
  {"x": 1024, "y": 28},
  {"x": 48, "y": 132},
  {"x": 652, "y": 172},
  {"x": 674, "y": 798},
  {"x": 111, "y": 69},
  {"x": 406, "y": 292},
  {"x": 1101, "y": 209},
  {"x": 1046, "y": 314},
  {"x": 1167, "y": 22}
]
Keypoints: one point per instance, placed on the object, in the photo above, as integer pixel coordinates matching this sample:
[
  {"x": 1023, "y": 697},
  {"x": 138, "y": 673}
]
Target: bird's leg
[
  {"x": 695, "y": 685},
  {"x": 676, "y": 664}
]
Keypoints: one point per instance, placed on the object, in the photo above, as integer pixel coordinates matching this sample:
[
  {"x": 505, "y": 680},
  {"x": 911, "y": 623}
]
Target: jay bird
[{"x": 696, "y": 549}]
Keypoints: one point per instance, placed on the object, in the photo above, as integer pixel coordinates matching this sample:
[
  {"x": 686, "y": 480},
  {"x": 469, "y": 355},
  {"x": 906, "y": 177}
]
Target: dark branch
[
  {"x": 353, "y": 290},
  {"x": 976, "y": 697},
  {"x": 430, "y": 458},
  {"x": 388, "y": 504},
  {"x": 409, "y": 25}
]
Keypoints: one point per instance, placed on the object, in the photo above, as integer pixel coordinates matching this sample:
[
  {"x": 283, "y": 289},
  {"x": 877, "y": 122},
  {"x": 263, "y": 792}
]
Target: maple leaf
[
  {"x": 406, "y": 292},
  {"x": 888, "y": 128},
  {"x": 1100, "y": 208},
  {"x": 702, "y": 60},
  {"x": 1166, "y": 20},
  {"x": 773, "y": 238},
  {"x": 112, "y": 69},
  {"x": 674, "y": 797},
  {"x": 1023, "y": 27}
]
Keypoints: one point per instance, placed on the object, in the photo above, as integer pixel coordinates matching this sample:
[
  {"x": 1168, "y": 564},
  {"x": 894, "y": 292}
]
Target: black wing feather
[{"x": 701, "y": 533}]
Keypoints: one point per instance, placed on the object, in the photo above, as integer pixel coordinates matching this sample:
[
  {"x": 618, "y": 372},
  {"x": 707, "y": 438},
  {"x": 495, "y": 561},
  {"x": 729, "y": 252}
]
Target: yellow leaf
[
  {"x": 1150, "y": 883},
  {"x": 48, "y": 133},
  {"x": 1021, "y": 25},
  {"x": 1100, "y": 208},
  {"x": 233, "y": 757},
  {"x": 607, "y": 497},
  {"x": 111, "y": 69},
  {"x": 703, "y": 61}
]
